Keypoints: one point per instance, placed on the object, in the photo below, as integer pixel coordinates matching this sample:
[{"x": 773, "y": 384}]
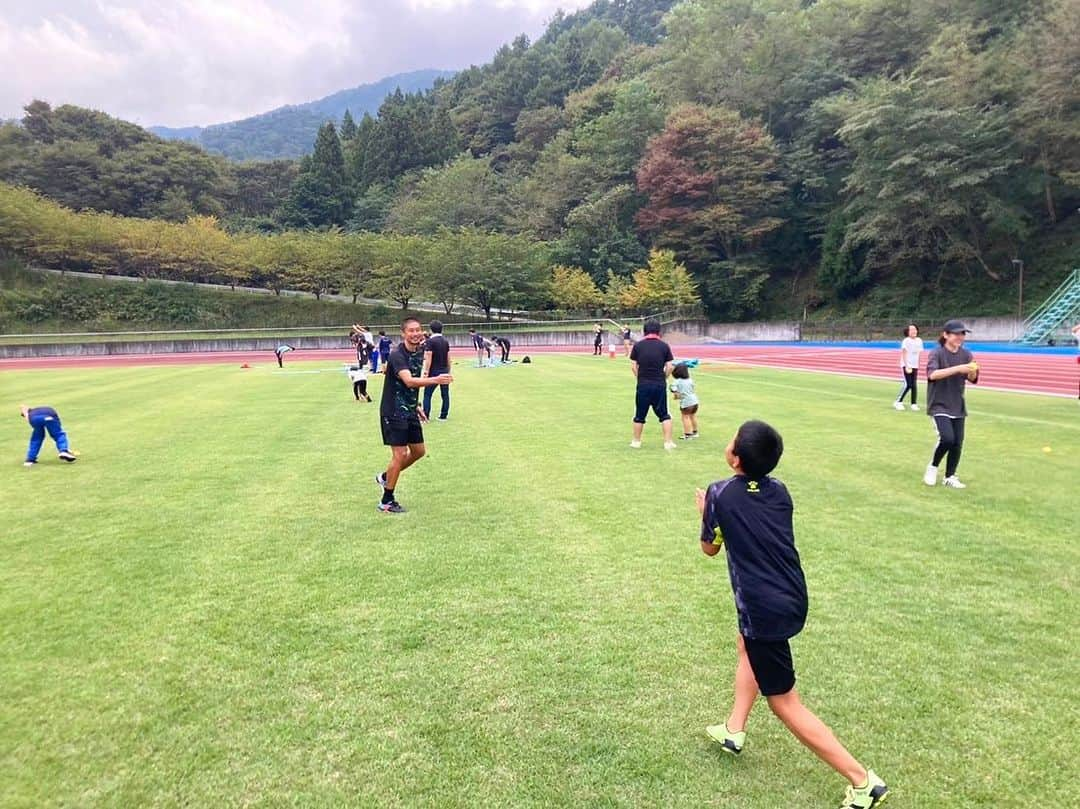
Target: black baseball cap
[{"x": 955, "y": 327}]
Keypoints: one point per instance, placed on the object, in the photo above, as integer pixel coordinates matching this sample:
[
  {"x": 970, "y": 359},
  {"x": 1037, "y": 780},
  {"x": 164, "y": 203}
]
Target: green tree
[
  {"x": 320, "y": 196},
  {"x": 574, "y": 289},
  {"x": 464, "y": 193},
  {"x": 398, "y": 273},
  {"x": 615, "y": 141},
  {"x": 839, "y": 270},
  {"x": 925, "y": 185},
  {"x": 505, "y": 272},
  {"x": 664, "y": 282},
  {"x": 1048, "y": 115},
  {"x": 599, "y": 235},
  {"x": 348, "y": 127}
]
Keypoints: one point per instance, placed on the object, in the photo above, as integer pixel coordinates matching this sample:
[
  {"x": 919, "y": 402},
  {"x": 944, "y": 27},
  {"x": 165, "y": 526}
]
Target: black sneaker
[
  {"x": 67, "y": 456},
  {"x": 393, "y": 507},
  {"x": 381, "y": 479}
]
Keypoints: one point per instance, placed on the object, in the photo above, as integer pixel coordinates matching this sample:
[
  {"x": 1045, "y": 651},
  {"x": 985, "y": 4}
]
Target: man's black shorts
[
  {"x": 771, "y": 663},
  {"x": 654, "y": 395},
  {"x": 397, "y": 433}
]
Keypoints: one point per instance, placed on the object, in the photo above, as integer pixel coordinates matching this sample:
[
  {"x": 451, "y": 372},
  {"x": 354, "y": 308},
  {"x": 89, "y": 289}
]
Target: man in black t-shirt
[
  {"x": 437, "y": 362},
  {"x": 400, "y": 412},
  {"x": 750, "y": 516},
  {"x": 651, "y": 361}
]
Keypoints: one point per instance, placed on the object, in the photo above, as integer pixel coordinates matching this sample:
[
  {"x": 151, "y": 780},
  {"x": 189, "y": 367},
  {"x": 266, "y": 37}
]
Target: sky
[{"x": 198, "y": 62}]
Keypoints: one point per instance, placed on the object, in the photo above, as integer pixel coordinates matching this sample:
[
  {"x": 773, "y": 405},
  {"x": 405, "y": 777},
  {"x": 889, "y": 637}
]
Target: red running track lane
[{"x": 1053, "y": 374}]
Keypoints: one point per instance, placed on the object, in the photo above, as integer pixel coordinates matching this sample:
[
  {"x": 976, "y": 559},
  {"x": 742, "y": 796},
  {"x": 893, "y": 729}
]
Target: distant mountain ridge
[{"x": 289, "y": 131}]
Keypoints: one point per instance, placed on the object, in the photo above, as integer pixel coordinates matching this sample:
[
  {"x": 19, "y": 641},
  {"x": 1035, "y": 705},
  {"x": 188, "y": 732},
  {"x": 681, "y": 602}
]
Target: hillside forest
[{"x": 770, "y": 157}]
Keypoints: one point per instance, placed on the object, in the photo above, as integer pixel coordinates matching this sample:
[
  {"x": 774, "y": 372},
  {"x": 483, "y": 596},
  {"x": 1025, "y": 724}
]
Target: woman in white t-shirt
[{"x": 910, "y": 350}]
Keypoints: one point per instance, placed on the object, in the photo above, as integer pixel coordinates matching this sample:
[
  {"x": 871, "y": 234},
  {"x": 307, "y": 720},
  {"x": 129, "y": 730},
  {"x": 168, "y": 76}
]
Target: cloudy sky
[{"x": 185, "y": 62}]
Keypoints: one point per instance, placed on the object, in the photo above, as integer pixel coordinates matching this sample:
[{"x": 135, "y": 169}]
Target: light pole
[{"x": 1020, "y": 303}]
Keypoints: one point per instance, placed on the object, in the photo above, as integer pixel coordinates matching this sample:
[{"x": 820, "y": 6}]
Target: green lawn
[{"x": 207, "y": 610}]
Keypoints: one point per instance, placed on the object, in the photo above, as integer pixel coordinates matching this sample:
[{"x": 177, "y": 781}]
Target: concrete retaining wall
[
  {"x": 461, "y": 341},
  {"x": 985, "y": 329}
]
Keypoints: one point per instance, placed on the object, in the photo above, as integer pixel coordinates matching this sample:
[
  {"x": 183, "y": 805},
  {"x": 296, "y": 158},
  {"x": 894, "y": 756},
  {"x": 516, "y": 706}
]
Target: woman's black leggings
[
  {"x": 359, "y": 388},
  {"x": 950, "y": 442},
  {"x": 910, "y": 378}
]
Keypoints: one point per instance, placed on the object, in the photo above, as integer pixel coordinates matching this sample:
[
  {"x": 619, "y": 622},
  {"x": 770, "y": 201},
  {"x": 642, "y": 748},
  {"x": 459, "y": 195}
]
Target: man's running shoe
[
  {"x": 635, "y": 445},
  {"x": 953, "y": 482},
  {"x": 381, "y": 479},
  {"x": 28, "y": 464},
  {"x": 873, "y": 794},
  {"x": 898, "y": 406},
  {"x": 730, "y": 743},
  {"x": 914, "y": 407},
  {"x": 930, "y": 476},
  {"x": 393, "y": 507},
  {"x": 67, "y": 456}
]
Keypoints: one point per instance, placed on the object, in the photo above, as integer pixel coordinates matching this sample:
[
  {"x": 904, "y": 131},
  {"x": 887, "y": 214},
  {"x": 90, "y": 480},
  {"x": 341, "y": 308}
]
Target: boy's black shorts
[
  {"x": 401, "y": 433},
  {"x": 772, "y": 665},
  {"x": 654, "y": 395}
]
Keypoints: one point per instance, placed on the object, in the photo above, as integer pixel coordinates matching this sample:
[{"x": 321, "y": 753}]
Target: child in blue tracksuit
[{"x": 42, "y": 420}]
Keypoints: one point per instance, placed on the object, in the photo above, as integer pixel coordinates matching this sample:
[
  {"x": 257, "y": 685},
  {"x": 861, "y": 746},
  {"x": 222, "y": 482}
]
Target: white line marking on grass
[
  {"x": 980, "y": 413},
  {"x": 886, "y": 378}
]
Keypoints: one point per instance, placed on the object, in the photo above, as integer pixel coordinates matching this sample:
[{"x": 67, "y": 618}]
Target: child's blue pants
[{"x": 40, "y": 422}]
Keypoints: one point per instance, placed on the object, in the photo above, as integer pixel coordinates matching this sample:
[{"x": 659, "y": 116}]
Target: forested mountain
[
  {"x": 288, "y": 132},
  {"x": 861, "y": 155}
]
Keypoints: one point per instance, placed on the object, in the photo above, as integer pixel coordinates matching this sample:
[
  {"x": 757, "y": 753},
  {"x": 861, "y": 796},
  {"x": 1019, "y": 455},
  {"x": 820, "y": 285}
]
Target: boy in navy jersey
[{"x": 750, "y": 514}]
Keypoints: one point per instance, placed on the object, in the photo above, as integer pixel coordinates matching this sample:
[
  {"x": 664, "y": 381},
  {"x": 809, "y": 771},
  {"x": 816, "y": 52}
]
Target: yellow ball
[{"x": 1047, "y": 449}]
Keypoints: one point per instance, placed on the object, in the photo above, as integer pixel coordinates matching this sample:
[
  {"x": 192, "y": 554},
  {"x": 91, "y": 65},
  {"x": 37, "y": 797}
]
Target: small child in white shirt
[{"x": 358, "y": 377}]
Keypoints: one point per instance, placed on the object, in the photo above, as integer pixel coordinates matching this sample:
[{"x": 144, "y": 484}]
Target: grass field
[{"x": 207, "y": 610}]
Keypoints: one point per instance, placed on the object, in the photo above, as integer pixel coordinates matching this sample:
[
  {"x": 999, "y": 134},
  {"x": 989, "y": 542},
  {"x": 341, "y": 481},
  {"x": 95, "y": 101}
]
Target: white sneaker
[
  {"x": 669, "y": 445},
  {"x": 898, "y": 406},
  {"x": 635, "y": 445},
  {"x": 930, "y": 476},
  {"x": 914, "y": 407},
  {"x": 953, "y": 482}
]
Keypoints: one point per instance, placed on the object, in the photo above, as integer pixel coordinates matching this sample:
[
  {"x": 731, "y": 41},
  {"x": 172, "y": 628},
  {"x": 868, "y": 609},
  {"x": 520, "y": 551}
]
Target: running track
[{"x": 1054, "y": 375}]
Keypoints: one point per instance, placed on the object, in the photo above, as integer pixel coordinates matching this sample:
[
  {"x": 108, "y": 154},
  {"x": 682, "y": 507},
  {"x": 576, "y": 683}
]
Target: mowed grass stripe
[{"x": 207, "y": 609}]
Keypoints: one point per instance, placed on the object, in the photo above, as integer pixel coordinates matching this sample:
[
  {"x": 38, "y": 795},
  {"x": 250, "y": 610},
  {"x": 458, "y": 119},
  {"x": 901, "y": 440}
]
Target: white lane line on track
[
  {"x": 886, "y": 378},
  {"x": 979, "y": 413}
]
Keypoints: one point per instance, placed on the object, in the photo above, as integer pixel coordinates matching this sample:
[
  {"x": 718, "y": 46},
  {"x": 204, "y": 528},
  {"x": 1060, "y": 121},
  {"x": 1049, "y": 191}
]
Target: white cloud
[{"x": 205, "y": 61}]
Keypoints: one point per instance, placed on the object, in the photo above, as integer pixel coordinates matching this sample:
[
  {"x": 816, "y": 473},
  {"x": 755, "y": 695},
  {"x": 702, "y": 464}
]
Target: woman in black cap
[{"x": 949, "y": 368}]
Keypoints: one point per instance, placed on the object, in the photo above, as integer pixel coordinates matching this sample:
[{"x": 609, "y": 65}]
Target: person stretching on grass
[
  {"x": 42, "y": 420},
  {"x": 281, "y": 351},
  {"x": 478, "y": 341},
  {"x": 400, "y": 411},
  {"x": 750, "y": 516}
]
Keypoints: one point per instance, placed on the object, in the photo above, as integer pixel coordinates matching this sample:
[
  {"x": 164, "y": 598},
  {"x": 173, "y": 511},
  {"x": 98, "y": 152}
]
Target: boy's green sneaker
[
  {"x": 731, "y": 743},
  {"x": 873, "y": 794}
]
